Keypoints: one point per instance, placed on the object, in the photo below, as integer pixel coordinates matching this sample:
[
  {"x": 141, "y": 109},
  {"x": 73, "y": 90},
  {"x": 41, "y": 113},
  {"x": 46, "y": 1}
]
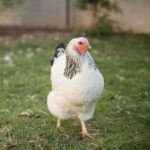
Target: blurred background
[{"x": 107, "y": 15}]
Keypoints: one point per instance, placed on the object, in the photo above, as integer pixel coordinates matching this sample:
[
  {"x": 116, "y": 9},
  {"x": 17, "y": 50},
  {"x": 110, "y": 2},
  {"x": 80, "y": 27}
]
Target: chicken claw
[{"x": 84, "y": 132}]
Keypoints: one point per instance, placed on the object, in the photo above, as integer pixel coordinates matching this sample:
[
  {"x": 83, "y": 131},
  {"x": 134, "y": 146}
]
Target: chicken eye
[{"x": 80, "y": 43}]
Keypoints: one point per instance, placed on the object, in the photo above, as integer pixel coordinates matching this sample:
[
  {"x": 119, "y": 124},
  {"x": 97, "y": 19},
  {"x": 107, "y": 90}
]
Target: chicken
[{"x": 76, "y": 83}]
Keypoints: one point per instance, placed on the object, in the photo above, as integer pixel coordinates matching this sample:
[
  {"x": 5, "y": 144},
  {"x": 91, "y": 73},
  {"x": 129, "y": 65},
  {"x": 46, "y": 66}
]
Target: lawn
[{"x": 122, "y": 116}]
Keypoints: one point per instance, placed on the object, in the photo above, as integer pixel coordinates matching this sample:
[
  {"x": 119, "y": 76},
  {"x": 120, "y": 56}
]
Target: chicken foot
[{"x": 84, "y": 131}]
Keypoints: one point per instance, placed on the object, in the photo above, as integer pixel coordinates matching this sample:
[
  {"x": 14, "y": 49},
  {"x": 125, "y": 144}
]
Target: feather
[
  {"x": 60, "y": 49},
  {"x": 91, "y": 62},
  {"x": 73, "y": 66}
]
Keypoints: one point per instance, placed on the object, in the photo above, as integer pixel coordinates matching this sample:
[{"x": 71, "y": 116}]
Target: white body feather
[{"x": 77, "y": 96}]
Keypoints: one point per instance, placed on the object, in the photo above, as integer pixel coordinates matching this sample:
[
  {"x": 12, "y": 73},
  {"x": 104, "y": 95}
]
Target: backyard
[{"x": 122, "y": 117}]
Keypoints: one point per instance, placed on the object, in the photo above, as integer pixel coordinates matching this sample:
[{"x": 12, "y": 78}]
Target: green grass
[{"x": 122, "y": 117}]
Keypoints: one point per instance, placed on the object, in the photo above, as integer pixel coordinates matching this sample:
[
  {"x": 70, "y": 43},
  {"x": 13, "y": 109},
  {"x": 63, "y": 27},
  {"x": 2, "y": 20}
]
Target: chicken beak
[{"x": 90, "y": 47}]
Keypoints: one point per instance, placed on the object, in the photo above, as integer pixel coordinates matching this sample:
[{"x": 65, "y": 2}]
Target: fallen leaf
[
  {"x": 26, "y": 113},
  {"x": 4, "y": 110}
]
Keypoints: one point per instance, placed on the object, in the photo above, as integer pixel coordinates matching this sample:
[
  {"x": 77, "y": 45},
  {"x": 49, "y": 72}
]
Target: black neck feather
[{"x": 73, "y": 66}]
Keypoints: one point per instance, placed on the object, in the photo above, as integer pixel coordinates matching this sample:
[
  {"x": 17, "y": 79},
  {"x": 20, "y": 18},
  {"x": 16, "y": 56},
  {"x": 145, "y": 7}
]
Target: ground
[{"x": 122, "y": 116}]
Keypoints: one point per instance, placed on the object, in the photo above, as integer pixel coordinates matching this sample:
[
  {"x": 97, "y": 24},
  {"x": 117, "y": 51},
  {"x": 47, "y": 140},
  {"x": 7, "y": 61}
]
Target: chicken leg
[
  {"x": 84, "y": 132},
  {"x": 58, "y": 123}
]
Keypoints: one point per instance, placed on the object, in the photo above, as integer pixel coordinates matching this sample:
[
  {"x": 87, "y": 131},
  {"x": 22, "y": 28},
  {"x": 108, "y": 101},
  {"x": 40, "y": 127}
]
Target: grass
[{"x": 122, "y": 117}]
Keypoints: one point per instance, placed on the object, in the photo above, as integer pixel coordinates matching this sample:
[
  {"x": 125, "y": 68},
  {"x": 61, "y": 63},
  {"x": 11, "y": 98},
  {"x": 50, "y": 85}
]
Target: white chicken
[{"x": 76, "y": 83}]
